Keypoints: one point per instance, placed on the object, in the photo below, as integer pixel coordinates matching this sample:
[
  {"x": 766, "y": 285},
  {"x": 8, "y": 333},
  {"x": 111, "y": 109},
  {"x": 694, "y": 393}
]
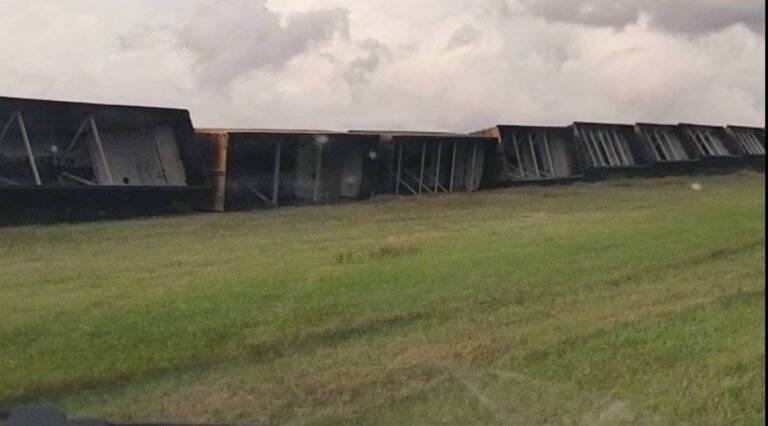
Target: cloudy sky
[{"x": 454, "y": 65}]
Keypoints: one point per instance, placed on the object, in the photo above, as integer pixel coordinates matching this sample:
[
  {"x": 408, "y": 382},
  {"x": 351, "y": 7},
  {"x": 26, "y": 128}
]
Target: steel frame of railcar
[
  {"x": 666, "y": 144},
  {"x": 604, "y": 148},
  {"x": 269, "y": 168},
  {"x": 118, "y": 161},
  {"x": 711, "y": 142},
  {"x": 750, "y": 139},
  {"x": 535, "y": 155},
  {"x": 434, "y": 163},
  {"x": 82, "y": 160}
]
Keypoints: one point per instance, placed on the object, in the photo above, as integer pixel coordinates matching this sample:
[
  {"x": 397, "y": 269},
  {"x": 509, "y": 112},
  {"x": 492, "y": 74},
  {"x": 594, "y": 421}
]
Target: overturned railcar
[
  {"x": 610, "y": 148},
  {"x": 671, "y": 153},
  {"x": 667, "y": 144},
  {"x": 534, "y": 154},
  {"x": 267, "y": 168},
  {"x": 712, "y": 143},
  {"x": 751, "y": 140},
  {"x": 72, "y": 160},
  {"x": 432, "y": 163}
]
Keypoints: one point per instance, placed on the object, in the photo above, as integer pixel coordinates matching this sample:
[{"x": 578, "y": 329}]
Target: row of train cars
[{"x": 64, "y": 160}]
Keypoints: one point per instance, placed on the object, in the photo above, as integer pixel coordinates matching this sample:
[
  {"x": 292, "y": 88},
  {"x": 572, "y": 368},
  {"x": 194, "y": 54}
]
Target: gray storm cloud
[
  {"x": 681, "y": 16},
  {"x": 456, "y": 65},
  {"x": 229, "y": 38},
  {"x": 361, "y": 68},
  {"x": 463, "y": 36}
]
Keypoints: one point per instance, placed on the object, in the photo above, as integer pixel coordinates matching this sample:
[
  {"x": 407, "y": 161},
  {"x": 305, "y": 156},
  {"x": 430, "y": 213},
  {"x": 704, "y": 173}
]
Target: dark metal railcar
[
  {"x": 534, "y": 155},
  {"x": 414, "y": 163},
  {"x": 268, "y": 168},
  {"x": 611, "y": 149},
  {"x": 71, "y": 160}
]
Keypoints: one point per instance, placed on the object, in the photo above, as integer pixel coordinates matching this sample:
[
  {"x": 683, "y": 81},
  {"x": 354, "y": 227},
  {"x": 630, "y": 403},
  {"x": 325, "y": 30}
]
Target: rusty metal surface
[{"x": 215, "y": 147}]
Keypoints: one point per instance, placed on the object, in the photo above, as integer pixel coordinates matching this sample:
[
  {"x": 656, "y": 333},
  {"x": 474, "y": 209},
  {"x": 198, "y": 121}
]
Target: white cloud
[{"x": 417, "y": 64}]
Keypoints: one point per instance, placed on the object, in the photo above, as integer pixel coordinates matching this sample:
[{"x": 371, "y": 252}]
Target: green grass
[{"x": 628, "y": 302}]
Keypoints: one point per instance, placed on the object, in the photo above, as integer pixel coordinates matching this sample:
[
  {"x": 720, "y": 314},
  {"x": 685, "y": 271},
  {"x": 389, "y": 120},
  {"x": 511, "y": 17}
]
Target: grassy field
[{"x": 633, "y": 302}]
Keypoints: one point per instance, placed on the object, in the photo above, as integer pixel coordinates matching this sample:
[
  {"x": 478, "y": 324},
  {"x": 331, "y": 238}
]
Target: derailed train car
[
  {"x": 268, "y": 168},
  {"x": 414, "y": 163},
  {"x": 538, "y": 155},
  {"x": 667, "y": 144},
  {"x": 254, "y": 169},
  {"x": 87, "y": 160},
  {"x": 534, "y": 155},
  {"x": 751, "y": 141},
  {"x": 606, "y": 149},
  {"x": 713, "y": 144},
  {"x": 77, "y": 160}
]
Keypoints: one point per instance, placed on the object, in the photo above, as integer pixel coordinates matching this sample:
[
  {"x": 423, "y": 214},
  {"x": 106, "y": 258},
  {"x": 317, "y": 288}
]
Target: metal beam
[
  {"x": 453, "y": 167},
  {"x": 717, "y": 144},
  {"x": 28, "y": 148},
  {"x": 755, "y": 142},
  {"x": 318, "y": 171},
  {"x": 533, "y": 154},
  {"x": 588, "y": 141},
  {"x": 521, "y": 167},
  {"x": 659, "y": 148},
  {"x": 549, "y": 155},
  {"x": 255, "y": 191},
  {"x": 706, "y": 142},
  {"x": 437, "y": 166},
  {"x": 100, "y": 149},
  {"x": 624, "y": 148},
  {"x": 598, "y": 159},
  {"x": 474, "y": 164},
  {"x": 8, "y": 181},
  {"x": 276, "y": 178},
  {"x": 408, "y": 187},
  {"x": 72, "y": 144},
  {"x": 672, "y": 149},
  {"x": 703, "y": 147},
  {"x": 610, "y": 151},
  {"x": 616, "y": 147},
  {"x": 748, "y": 142},
  {"x": 605, "y": 160},
  {"x": 78, "y": 179},
  {"x": 437, "y": 187},
  {"x": 422, "y": 185},
  {"x": 423, "y": 163},
  {"x": 6, "y": 128},
  {"x": 743, "y": 142},
  {"x": 505, "y": 161},
  {"x": 399, "y": 168}
]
